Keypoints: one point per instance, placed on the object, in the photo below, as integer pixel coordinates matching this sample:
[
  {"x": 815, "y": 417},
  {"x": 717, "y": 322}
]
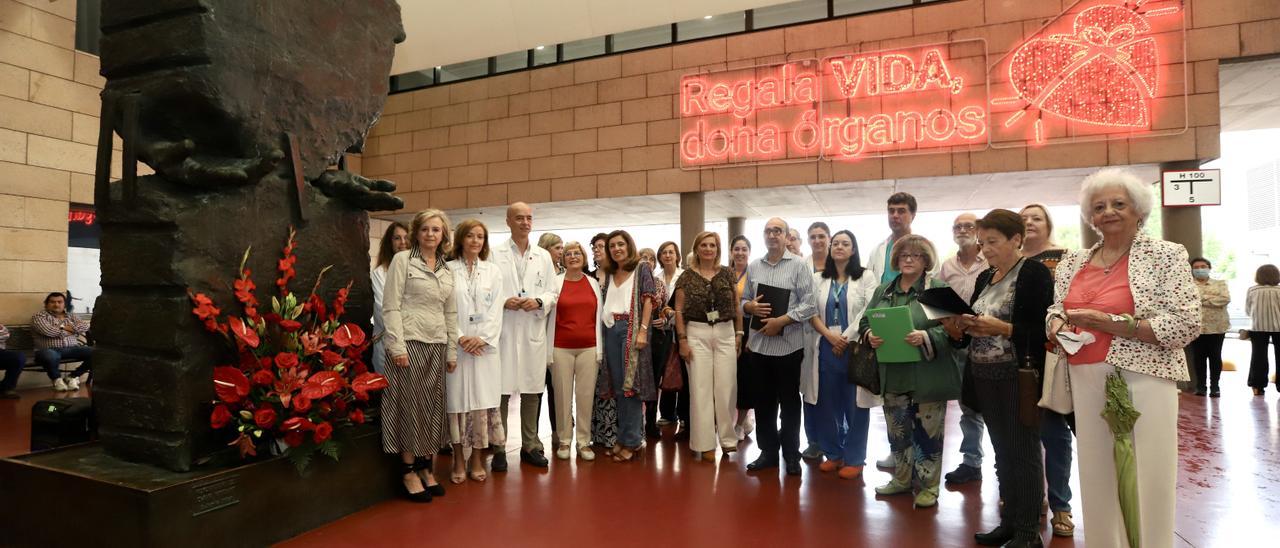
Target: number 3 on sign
[{"x": 1192, "y": 188}]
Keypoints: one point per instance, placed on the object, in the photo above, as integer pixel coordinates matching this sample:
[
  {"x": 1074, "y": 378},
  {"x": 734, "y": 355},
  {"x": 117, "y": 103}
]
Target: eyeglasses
[
  {"x": 911, "y": 256},
  {"x": 773, "y": 231},
  {"x": 967, "y": 227}
]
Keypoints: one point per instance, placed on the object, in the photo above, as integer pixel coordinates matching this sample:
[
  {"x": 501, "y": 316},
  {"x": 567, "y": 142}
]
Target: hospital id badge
[
  {"x": 475, "y": 318},
  {"x": 713, "y": 316},
  {"x": 523, "y": 294}
]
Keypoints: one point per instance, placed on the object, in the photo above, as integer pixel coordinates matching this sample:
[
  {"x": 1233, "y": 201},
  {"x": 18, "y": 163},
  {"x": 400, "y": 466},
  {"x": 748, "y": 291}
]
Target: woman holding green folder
[{"x": 915, "y": 392}]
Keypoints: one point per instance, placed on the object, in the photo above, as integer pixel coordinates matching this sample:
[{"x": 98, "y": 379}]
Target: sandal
[
  {"x": 1062, "y": 525},
  {"x": 623, "y": 455},
  {"x": 458, "y": 476}
]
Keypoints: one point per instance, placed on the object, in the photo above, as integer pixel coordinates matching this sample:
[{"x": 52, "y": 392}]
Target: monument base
[{"x": 80, "y": 496}]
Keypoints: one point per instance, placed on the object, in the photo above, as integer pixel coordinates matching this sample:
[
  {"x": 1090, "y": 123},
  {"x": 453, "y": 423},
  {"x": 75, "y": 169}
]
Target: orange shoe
[
  {"x": 830, "y": 465},
  {"x": 850, "y": 472}
]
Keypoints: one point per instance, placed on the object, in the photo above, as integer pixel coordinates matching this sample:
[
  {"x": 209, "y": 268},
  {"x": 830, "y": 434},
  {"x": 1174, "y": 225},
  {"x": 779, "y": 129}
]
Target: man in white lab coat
[{"x": 528, "y": 295}]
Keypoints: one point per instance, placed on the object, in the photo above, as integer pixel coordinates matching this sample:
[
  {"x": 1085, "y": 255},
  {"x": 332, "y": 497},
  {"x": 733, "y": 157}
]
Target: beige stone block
[
  {"x": 648, "y": 109},
  {"x": 487, "y": 109},
  {"x": 46, "y": 276},
  {"x": 999, "y": 38},
  {"x": 525, "y": 103},
  {"x": 378, "y": 166},
  {"x": 13, "y": 146},
  {"x": 551, "y": 77},
  {"x": 484, "y": 153},
  {"x": 430, "y": 138},
  {"x": 573, "y": 188},
  {"x": 878, "y": 26},
  {"x": 10, "y": 273},
  {"x": 52, "y": 29},
  {"x": 393, "y": 144},
  {"x": 408, "y": 162},
  {"x": 1260, "y": 37},
  {"x": 509, "y": 84},
  {"x": 797, "y": 173},
  {"x": 487, "y": 196},
  {"x": 998, "y": 160},
  {"x": 1208, "y": 142},
  {"x": 446, "y": 116},
  {"x": 616, "y": 185},
  {"x": 62, "y": 8},
  {"x": 574, "y": 96},
  {"x": 1222, "y": 42},
  {"x": 81, "y": 188},
  {"x": 465, "y": 134},
  {"x": 384, "y": 126},
  {"x": 58, "y": 154},
  {"x": 1118, "y": 152},
  {"x": 513, "y": 171},
  {"x": 429, "y": 98},
  {"x": 84, "y": 128},
  {"x": 14, "y": 81},
  {"x": 595, "y": 163},
  {"x": 13, "y": 211},
  {"x": 1209, "y": 13},
  {"x": 625, "y": 136},
  {"x": 663, "y": 131},
  {"x": 422, "y": 119},
  {"x": 644, "y": 62},
  {"x": 529, "y": 147},
  {"x": 472, "y": 175},
  {"x": 452, "y": 198},
  {"x": 947, "y": 16},
  {"x": 550, "y": 122},
  {"x": 572, "y": 142},
  {"x": 38, "y": 119},
  {"x": 960, "y": 163},
  {"x": 398, "y": 102},
  {"x": 621, "y": 89},
  {"x": 414, "y": 201},
  {"x": 552, "y": 167},
  {"x": 755, "y": 44},
  {"x": 27, "y": 244},
  {"x": 1057, "y": 156},
  {"x": 15, "y": 307},
  {"x": 33, "y": 54},
  {"x": 815, "y": 35},
  {"x": 664, "y": 83},
  {"x": 1203, "y": 109},
  {"x": 15, "y": 17},
  {"x": 529, "y": 192},
  {"x": 594, "y": 70},
  {"x": 45, "y": 214},
  {"x": 701, "y": 52},
  {"x": 431, "y": 179},
  {"x": 668, "y": 181},
  {"x": 918, "y": 165},
  {"x": 648, "y": 157},
  {"x": 354, "y": 163},
  {"x": 728, "y": 178},
  {"x": 865, "y": 169},
  {"x": 1205, "y": 76},
  {"x": 509, "y": 127},
  {"x": 593, "y": 116},
  {"x": 449, "y": 156},
  {"x": 466, "y": 92},
  {"x": 1002, "y": 11}
]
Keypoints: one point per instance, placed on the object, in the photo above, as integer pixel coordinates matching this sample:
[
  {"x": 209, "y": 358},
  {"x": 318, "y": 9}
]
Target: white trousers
[
  {"x": 1155, "y": 444},
  {"x": 573, "y": 374},
  {"x": 713, "y": 385}
]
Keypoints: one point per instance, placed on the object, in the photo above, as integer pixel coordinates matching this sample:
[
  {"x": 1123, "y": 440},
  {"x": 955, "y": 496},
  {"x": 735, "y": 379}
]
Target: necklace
[{"x": 1106, "y": 268}]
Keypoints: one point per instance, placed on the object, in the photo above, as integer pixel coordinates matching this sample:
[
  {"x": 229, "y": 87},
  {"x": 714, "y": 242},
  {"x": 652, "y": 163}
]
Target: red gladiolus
[
  {"x": 220, "y": 417},
  {"x": 265, "y": 418},
  {"x": 205, "y": 311},
  {"x": 316, "y": 306},
  {"x": 285, "y": 360},
  {"x": 230, "y": 384},
  {"x": 263, "y": 377},
  {"x": 357, "y": 416},
  {"x": 301, "y": 404},
  {"x": 322, "y": 385},
  {"x": 348, "y": 334},
  {"x": 290, "y": 325},
  {"x": 244, "y": 289},
  {"x": 244, "y": 333},
  {"x": 322, "y": 432},
  {"x": 293, "y": 439},
  {"x": 367, "y": 382},
  {"x": 340, "y": 302}
]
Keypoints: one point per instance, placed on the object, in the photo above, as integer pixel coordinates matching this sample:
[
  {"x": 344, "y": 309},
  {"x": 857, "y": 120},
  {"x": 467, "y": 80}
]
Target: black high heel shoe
[
  {"x": 420, "y": 496},
  {"x": 425, "y": 463}
]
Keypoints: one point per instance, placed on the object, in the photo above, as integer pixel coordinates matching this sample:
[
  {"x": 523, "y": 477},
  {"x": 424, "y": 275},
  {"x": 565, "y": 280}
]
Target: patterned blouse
[{"x": 702, "y": 296}]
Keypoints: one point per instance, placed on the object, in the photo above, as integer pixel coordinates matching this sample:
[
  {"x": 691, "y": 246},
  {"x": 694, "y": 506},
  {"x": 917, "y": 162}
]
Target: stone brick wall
[{"x": 609, "y": 126}]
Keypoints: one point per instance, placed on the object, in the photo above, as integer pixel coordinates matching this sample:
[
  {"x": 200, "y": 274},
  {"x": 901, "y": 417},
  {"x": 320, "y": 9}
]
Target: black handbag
[{"x": 864, "y": 369}]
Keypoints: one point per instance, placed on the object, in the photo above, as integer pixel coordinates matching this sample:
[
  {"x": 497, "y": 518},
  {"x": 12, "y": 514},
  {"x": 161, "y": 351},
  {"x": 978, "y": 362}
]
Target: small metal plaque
[{"x": 215, "y": 495}]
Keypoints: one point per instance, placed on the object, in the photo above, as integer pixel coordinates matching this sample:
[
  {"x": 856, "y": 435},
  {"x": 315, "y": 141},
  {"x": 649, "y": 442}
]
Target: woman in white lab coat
[
  {"x": 473, "y": 390},
  {"x": 394, "y": 240},
  {"x": 841, "y": 412}
]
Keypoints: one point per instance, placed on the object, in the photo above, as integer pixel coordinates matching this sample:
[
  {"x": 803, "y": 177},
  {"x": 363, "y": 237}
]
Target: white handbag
[{"x": 1056, "y": 395}]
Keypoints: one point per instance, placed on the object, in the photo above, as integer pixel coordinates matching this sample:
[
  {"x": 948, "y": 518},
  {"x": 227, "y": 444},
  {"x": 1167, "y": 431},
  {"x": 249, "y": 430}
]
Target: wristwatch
[{"x": 539, "y": 301}]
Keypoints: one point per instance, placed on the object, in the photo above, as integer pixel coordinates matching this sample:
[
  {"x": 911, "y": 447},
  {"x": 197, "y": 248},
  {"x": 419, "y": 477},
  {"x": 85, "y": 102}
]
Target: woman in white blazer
[
  {"x": 575, "y": 348},
  {"x": 473, "y": 390},
  {"x": 841, "y": 413}
]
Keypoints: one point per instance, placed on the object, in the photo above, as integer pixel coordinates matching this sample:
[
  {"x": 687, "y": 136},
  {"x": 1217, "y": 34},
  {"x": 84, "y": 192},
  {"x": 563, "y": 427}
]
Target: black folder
[
  {"x": 777, "y": 298},
  {"x": 944, "y": 300}
]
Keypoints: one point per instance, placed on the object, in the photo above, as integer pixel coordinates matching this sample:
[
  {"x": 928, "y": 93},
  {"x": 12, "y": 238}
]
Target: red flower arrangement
[{"x": 299, "y": 372}]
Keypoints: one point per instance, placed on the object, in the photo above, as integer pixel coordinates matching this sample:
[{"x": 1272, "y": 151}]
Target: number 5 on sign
[{"x": 1192, "y": 188}]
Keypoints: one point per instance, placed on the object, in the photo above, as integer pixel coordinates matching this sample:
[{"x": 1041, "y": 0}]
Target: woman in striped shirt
[{"x": 1263, "y": 306}]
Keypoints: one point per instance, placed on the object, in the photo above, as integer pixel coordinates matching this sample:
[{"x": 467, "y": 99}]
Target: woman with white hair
[{"x": 1134, "y": 295}]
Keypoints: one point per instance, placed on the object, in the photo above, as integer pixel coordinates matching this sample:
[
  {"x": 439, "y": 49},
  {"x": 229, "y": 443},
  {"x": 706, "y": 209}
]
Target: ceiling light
[
  {"x": 707, "y": 16},
  {"x": 540, "y": 48},
  {"x": 437, "y": 67}
]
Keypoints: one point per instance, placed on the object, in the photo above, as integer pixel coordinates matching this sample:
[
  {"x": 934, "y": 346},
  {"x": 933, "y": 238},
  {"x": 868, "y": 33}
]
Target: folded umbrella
[{"x": 1120, "y": 415}]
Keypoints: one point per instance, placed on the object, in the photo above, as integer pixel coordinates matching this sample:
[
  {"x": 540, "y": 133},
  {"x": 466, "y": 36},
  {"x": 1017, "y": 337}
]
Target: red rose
[
  {"x": 301, "y": 403},
  {"x": 265, "y": 362},
  {"x": 263, "y": 378},
  {"x": 340, "y": 404},
  {"x": 323, "y": 431},
  {"x": 221, "y": 416},
  {"x": 293, "y": 439},
  {"x": 357, "y": 416},
  {"x": 265, "y": 418},
  {"x": 290, "y": 325},
  {"x": 285, "y": 360}
]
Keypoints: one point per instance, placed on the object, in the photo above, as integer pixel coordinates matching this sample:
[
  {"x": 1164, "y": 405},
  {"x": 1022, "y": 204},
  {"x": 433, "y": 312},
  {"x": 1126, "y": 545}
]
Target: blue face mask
[{"x": 1200, "y": 273}]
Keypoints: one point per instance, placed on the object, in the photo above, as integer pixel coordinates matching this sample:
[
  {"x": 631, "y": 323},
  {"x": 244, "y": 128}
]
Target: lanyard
[
  {"x": 838, "y": 291},
  {"x": 473, "y": 271}
]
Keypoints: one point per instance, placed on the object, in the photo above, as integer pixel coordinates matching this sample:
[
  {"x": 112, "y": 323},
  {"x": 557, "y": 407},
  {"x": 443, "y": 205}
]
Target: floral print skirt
[{"x": 477, "y": 429}]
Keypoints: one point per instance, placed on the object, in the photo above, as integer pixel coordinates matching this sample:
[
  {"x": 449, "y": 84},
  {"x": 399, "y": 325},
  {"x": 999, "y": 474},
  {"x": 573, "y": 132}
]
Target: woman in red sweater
[{"x": 575, "y": 331}]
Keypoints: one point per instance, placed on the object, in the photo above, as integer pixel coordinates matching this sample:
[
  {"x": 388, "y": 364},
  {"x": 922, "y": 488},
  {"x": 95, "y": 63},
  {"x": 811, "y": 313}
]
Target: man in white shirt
[
  {"x": 961, "y": 273},
  {"x": 529, "y": 293}
]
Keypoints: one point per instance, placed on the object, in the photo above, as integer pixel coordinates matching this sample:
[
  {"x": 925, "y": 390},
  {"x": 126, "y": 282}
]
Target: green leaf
[
  {"x": 330, "y": 449},
  {"x": 300, "y": 456}
]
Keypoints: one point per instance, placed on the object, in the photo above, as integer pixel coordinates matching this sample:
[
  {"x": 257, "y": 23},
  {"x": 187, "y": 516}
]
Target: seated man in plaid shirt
[{"x": 57, "y": 336}]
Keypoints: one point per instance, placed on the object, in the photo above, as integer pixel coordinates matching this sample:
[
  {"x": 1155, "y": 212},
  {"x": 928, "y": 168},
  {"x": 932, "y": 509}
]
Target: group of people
[
  {"x": 464, "y": 328},
  {"x": 57, "y": 335}
]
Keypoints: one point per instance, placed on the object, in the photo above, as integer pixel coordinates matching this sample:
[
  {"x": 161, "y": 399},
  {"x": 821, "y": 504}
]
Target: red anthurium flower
[
  {"x": 230, "y": 384},
  {"x": 323, "y": 431},
  {"x": 286, "y": 360},
  {"x": 290, "y": 325},
  {"x": 301, "y": 403},
  {"x": 263, "y": 377},
  {"x": 243, "y": 333},
  {"x": 367, "y": 382},
  {"x": 293, "y": 439},
  {"x": 293, "y": 424},
  {"x": 357, "y": 416},
  {"x": 322, "y": 385},
  {"x": 330, "y": 358},
  {"x": 360, "y": 368},
  {"x": 220, "y": 417},
  {"x": 265, "y": 417},
  {"x": 348, "y": 334}
]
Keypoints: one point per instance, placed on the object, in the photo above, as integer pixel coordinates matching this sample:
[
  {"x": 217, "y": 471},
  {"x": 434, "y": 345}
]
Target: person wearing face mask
[
  {"x": 1206, "y": 350},
  {"x": 1011, "y": 299},
  {"x": 394, "y": 240},
  {"x": 961, "y": 273}
]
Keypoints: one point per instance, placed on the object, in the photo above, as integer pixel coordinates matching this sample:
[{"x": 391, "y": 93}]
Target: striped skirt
[{"x": 413, "y": 416}]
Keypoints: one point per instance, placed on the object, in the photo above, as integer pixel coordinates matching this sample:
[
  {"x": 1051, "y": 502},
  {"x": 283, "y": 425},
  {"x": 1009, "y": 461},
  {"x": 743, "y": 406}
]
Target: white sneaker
[
  {"x": 562, "y": 453},
  {"x": 60, "y": 385},
  {"x": 73, "y": 384},
  {"x": 586, "y": 453}
]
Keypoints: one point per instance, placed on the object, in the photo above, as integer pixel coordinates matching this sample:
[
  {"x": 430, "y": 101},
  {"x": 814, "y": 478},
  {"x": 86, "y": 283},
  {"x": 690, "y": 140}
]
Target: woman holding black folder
[
  {"x": 916, "y": 392},
  {"x": 1003, "y": 339}
]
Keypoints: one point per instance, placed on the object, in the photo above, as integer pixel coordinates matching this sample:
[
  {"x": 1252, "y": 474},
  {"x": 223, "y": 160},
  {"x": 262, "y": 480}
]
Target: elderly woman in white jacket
[
  {"x": 841, "y": 414},
  {"x": 576, "y": 337}
]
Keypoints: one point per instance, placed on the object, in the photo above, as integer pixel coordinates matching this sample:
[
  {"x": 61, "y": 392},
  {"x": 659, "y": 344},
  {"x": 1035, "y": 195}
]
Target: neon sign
[{"x": 86, "y": 218}]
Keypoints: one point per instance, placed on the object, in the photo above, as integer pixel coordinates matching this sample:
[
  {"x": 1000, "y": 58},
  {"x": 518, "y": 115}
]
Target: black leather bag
[{"x": 864, "y": 369}]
